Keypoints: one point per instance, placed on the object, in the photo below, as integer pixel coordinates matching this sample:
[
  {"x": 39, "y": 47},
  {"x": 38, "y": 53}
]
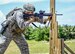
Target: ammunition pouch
[
  {"x": 4, "y": 26},
  {"x": 15, "y": 28}
]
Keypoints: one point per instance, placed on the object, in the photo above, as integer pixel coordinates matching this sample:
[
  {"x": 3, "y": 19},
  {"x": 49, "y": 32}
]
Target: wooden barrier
[
  {"x": 68, "y": 49},
  {"x": 65, "y": 52}
]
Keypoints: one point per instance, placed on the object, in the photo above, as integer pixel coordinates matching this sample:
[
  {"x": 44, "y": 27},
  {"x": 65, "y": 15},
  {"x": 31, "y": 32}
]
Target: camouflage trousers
[{"x": 19, "y": 39}]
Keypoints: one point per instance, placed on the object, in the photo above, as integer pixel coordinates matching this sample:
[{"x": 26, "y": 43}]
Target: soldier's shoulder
[{"x": 19, "y": 12}]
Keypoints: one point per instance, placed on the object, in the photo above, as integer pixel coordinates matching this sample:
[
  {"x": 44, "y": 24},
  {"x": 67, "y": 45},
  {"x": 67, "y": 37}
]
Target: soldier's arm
[
  {"x": 37, "y": 19},
  {"x": 20, "y": 21}
]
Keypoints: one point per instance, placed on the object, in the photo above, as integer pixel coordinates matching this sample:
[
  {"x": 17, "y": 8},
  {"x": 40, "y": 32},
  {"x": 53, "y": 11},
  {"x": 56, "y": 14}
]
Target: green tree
[{"x": 42, "y": 33}]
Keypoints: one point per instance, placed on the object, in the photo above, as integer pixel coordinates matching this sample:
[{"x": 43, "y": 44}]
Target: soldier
[{"x": 16, "y": 26}]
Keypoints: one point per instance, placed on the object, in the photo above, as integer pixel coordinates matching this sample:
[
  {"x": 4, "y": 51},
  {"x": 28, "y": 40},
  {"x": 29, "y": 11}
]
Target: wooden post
[
  {"x": 53, "y": 28},
  {"x": 62, "y": 46},
  {"x": 55, "y": 43},
  {"x": 59, "y": 46}
]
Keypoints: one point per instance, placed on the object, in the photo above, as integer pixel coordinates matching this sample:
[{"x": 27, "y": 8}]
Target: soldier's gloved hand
[
  {"x": 31, "y": 19},
  {"x": 37, "y": 19},
  {"x": 48, "y": 19},
  {"x": 45, "y": 20},
  {"x": 34, "y": 18}
]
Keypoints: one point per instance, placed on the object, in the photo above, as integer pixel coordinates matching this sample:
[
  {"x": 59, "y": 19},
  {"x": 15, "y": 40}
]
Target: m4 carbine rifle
[{"x": 40, "y": 15}]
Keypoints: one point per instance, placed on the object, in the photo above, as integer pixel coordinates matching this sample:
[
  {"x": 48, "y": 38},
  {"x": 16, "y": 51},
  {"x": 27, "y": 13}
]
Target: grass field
[{"x": 41, "y": 47}]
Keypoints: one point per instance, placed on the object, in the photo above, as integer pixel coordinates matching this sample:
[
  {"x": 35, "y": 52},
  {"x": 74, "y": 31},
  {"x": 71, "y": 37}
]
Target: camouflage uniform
[
  {"x": 15, "y": 32},
  {"x": 15, "y": 29}
]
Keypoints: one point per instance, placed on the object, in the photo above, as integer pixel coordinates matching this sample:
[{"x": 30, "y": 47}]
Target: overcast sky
[{"x": 66, "y": 7}]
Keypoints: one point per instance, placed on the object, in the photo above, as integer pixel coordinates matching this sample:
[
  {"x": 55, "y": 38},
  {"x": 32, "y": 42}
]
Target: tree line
[{"x": 42, "y": 33}]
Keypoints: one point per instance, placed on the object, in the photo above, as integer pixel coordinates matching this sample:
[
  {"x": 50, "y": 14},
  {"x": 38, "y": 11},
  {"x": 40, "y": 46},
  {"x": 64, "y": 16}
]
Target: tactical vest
[{"x": 13, "y": 26}]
